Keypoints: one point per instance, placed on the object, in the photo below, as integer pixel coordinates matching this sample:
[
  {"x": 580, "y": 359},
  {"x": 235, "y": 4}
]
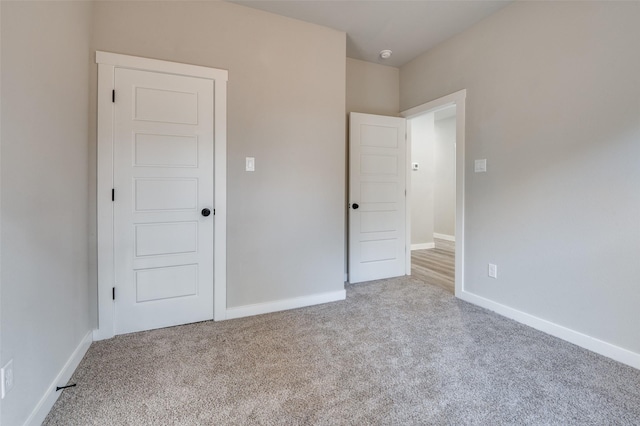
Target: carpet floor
[{"x": 396, "y": 352}]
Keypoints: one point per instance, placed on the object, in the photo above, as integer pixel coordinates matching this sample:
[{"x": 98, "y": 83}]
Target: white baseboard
[
  {"x": 49, "y": 398},
  {"x": 444, "y": 237},
  {"x": 423, "y": 246},
  {"x": 285, "y": 304},
  {"x": 616, "y": 353}
]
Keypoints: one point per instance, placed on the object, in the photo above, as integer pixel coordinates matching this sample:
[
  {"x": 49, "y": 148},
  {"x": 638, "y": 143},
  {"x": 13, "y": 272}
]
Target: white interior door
[
  {"x": 377, "y": 191},
  {"x": 163, "y": 179}
]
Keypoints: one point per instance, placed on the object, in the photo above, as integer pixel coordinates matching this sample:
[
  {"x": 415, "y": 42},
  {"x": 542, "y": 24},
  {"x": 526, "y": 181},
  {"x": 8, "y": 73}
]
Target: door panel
[
  {"x": 166, "y": 283},
  {"x": 165, "y": 194},
  {"x": 166, "y": 106},
  {"x": 166, "y": 150},
  {"x": 163, "y": 178},
  {"x": 377, "y": 185},
  {"x": 155, "y": 239}
]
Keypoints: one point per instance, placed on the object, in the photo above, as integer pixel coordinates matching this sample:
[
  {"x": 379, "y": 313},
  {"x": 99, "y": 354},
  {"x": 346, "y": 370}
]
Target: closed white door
[
  {"x": 377, "y": 182},
  {"x": 163, "y": 187}
]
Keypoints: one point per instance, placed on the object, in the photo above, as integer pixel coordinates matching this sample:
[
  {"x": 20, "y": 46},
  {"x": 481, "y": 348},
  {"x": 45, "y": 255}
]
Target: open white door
[{"x": 377, "y": 191}]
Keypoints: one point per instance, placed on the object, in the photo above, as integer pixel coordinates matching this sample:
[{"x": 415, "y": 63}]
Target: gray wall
[
  {"x": 553, "y": 104},
  {"x": 444, "y": 179},
  {"x": 286, "y": 108},
  {"x": 422, "y": 180},
  {"x": 45, "y": 302}
]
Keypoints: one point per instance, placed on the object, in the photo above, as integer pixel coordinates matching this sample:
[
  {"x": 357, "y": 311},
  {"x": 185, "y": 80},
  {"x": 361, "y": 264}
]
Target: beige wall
[
  {"x": 553, "y": 104},
  {"x": 444, "y": 179},
  {"x": 45, "y": 93},
  {"x": 286, "y": 108},
  {"x": 372, "y": 88}
]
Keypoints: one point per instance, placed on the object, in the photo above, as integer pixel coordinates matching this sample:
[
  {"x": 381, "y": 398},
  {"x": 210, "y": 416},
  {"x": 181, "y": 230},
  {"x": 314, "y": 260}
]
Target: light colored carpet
[{"x": 395, "y": 352}]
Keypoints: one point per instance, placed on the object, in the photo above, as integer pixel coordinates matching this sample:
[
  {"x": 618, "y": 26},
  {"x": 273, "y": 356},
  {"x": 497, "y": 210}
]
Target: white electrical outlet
[
  {"x": 493, "y": 270},
  {"x": 6, "y": 378}
]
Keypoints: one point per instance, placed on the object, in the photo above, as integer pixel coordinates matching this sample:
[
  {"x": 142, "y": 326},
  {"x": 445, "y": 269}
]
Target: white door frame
[
  {"x": 457, "y": 99},
  {"x": 107, "y": 64}
]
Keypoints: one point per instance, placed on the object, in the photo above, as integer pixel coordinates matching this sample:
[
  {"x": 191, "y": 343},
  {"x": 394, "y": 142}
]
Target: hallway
[{"x": 435, "y": 266}]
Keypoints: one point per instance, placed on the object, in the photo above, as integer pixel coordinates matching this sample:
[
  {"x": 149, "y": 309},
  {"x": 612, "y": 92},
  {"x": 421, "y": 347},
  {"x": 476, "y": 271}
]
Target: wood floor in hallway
[{"x": 434, "y": 266}]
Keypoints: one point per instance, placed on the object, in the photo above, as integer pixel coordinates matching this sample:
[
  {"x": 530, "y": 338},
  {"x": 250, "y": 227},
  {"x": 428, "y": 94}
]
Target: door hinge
[
  {"x": 113, "y": 194},
  {"x": 113, "y": 293},
  {"x": 214, "y": 212},
  {"x": 113, "y": 96}
]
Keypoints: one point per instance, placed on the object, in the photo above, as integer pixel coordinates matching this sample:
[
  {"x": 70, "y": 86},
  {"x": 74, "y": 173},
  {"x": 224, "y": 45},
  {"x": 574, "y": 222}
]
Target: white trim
[
  {"x": 444, "y": 237},
  {"x": 220, "y": 191},
  {"x": 107, "y": 63},
  {"x": 407, "y": 201},
  {"x": 134, "y": 62},
  {"x": 458, "y": 99},
  {"x": 608, "y": 350},
  {"x": 106, "y": 324},
  {"x": 285, "y": 304},
  {"x": 437, "y": 104},
  {"x": 346, "y": 278},
  {"x": 460, "y": 188},
  {"x": 423, "y": 246},
  {"x": 50, "y": 396}
]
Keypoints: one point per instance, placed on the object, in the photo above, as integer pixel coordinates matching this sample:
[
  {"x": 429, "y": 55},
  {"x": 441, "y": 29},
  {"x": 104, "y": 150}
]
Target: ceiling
[{"x": 407, "y": 27}]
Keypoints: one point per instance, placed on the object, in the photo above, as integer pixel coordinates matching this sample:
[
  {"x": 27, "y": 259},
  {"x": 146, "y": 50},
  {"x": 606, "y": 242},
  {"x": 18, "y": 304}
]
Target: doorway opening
[
  {"x": 433, "y": 189},
  {"x": 435, "y": 192}
]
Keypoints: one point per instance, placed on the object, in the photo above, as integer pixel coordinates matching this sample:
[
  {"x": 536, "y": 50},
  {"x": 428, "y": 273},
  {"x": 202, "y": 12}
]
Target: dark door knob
[
  {"x": 205, "y": 212},
  {"x": 355, "y": 206}
]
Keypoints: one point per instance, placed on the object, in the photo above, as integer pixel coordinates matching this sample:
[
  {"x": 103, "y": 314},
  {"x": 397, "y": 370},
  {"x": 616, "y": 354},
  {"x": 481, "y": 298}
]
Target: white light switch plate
[
  {"x": 481, "y": 166},
  {"x": 250, "y": 164},
  {"x": 493, "y": 270}
]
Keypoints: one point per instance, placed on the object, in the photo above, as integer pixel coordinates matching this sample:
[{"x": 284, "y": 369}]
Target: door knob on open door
[
  {"x": 205, "y": 212},
  {"x": 355, "y": 206}
]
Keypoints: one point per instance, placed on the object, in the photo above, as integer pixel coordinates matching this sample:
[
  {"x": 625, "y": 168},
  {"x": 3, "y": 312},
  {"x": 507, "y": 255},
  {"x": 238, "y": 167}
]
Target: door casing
[
  {"x": 107, "y": 63},
  {"x": 457, "y": 99}
]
